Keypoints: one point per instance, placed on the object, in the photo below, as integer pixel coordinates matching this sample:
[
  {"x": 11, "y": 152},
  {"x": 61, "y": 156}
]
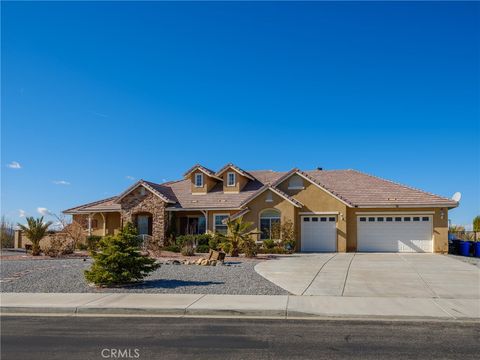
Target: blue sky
[{"x": 94, "y": 93}]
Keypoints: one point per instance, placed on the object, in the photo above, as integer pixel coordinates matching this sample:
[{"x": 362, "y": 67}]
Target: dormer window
[
  {"x": 295, "y": 183},
  {"x": 198, "y": 180},
  {"x": 231, "y": 179}
]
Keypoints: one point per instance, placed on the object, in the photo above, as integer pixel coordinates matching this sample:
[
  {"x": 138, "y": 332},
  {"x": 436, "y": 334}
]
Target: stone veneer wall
[{"x": 135, "y": 203}]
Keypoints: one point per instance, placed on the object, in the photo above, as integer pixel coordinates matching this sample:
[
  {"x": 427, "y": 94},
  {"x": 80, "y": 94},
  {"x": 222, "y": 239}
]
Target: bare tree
[
  {"x": 7, "y": 233},
  {"x": 74, "y": 230}
]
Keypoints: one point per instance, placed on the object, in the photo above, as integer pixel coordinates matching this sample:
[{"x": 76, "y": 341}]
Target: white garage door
[
  {"x": 319, "y": 233},
  {"x": 395, "y": 233}
]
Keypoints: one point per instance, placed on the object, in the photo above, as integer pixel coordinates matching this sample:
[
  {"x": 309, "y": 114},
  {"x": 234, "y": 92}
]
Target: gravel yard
[{"x": 66, "y": 275}]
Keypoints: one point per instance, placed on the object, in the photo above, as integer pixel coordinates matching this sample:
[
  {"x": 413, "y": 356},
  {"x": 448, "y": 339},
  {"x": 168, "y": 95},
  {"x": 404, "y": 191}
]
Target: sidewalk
[{"x": 282, "y": 307}]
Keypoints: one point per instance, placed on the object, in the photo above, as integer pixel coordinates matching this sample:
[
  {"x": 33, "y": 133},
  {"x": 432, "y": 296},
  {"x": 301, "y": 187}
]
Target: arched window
[
  {"x": 295, "y": 182},
  {"x": 270, "y": 224}
]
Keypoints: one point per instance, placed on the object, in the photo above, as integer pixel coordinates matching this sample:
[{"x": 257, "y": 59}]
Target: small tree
[
  {"x": 7, "y": 233},
  {"x": 119, "y": 260},
  {"x": 237, "y": 235},
  {"x": 288, "y": 234},
  {"x": 35, "y": 230},
  {"x": 476, "y": 225}
]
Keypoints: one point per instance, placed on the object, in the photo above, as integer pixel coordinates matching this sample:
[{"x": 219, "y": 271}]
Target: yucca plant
[
  {"x": 35, "y": 230},
  {"x": 238, "y": 235}
]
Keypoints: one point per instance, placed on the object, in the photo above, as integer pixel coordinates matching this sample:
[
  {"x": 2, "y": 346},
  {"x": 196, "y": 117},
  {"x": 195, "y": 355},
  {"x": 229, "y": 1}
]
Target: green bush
[
  {"x": 119, "y": 260},
  {"x": 92, "y": 242},
  {"x": 203, "y": 239},
  {"x": 226, "y": 247},
  {"x": 188, "y": 250},
  {"x": 249, "y": 247},
  {"x": 213, "y": 243},
  {"x": 268, "y": 244},
  {"x": 82, "y": 246},
  {"x": 172, "y": 248},
  {"x": 185, "y": 240},
  {"x": 202, "y": 249}
]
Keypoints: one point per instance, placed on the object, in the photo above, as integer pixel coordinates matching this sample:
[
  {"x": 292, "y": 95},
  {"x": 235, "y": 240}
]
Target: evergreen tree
[{"x": 118, "y": 259}]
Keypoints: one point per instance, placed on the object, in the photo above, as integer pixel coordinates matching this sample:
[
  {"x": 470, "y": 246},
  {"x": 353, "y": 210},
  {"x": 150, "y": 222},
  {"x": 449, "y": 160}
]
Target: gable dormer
[
  {"x": 202, "y": 180},
  {"x": 234, "y": 178}
]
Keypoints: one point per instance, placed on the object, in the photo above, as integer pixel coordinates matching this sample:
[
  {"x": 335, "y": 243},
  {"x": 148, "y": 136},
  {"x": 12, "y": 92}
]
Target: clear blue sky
[{"x": 93, "y": 93}]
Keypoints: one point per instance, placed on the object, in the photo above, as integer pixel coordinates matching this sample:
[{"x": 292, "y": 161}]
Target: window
[
  {"x": 425, "y": 218},
  {"x": 270, "y": 223},
  {"x": 398, "y": 219},
  {"x": 331, "y": 219},
  {"x": 198, "y": 180},
  {"x": 218, "y": 225},
  {"x": 306, "y": 219},
  {"x": 295, "y": 183},
  {"x": 323, "y": 219},
  {"x": 363, "y": 219},
  {"x": 416, "y": 218},
  {"x": 380, "y": 219},
  {"x": 406, "y": 218},
  {"x": 389, "y": 219},
  {"x": 231, "y": 180},
  {"x": 371, "y": 219},
  {"x": 315, "y": 219}
]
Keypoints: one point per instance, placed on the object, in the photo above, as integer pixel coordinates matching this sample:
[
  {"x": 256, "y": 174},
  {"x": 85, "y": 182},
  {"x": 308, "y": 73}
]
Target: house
[{"x": 334, "y": 210}]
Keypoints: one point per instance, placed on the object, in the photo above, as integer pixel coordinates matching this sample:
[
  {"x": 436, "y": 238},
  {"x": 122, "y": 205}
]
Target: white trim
[
  {"x": 238, "y": 172},
  {"x": 214, "y": 222},
  {"x": 396, "y": 212},
  {"x": 199, "y": 168},
  {"x": 296, "y": 187},
  {"x": 306, "y": 213},
  {"x": 195, "y": 179},
  {"x": 199, "y": 193},
  {"x": 234, "y": 179}
]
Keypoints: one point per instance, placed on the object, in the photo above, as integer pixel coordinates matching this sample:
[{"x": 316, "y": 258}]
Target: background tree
[
  {"x": 35, "y": 230},
  {"x": 7, "y": 233},
  {"x": 238, "y": 235},
  {"x": 119, "y": 260},
  {"x": 476, "y": 225}
]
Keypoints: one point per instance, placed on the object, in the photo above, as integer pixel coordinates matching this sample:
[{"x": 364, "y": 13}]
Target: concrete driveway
[{"x": 374, "y": 275}]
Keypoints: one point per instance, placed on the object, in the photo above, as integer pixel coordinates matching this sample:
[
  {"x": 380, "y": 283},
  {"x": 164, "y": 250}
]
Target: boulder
[{"x": 204, "y": 262}]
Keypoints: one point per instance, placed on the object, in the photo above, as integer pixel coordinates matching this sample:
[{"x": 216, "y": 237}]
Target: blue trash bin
[{"x": 464, "y": 248}]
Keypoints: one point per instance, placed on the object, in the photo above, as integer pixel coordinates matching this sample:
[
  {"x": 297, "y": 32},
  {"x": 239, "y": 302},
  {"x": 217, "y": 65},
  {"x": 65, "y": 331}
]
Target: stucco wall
[{"x": 240, "y": 182}]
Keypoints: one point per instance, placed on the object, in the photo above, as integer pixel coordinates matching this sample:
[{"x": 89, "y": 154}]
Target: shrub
[
  {"x": 188, "y": 250},
  {"x": 202, "y": 249},
  {"x": 249, "y": 247},
  {"x": 226, "y": 247},
  {"x": 82, "y": 246},
  {"x": 268, "y": 244},
  {"x": 214, "y": 242},
  {"x": 288, "y": 235},
  {"x": 119, "y": 260},
  {"x": 185, "y": 240},
  {"x": 172, "y": 248},
  {"x": 203, "y": 239},
  {"x": 57, "y": 245},
  {"x": 92, "y": 242}
]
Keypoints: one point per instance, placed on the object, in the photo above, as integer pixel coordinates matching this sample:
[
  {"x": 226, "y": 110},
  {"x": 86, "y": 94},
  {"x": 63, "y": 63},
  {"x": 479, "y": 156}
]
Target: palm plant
[
  {"x": 35, "y": 230},
  {"x": 237, "y": 235}
]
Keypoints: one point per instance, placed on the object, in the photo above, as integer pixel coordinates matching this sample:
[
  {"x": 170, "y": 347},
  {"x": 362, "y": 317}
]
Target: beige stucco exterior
[
  {"x": 208, "y": 183},
  {"x": 240, "y": 182}
]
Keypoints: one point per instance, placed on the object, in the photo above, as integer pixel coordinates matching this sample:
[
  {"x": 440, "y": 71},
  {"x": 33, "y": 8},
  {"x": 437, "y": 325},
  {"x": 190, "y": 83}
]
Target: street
[{"x": 198, "y": 338}]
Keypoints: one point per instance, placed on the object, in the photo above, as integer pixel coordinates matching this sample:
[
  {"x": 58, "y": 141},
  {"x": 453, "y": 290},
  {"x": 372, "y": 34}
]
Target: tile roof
[
  {"x": 350, "y": 186},
  {"x": 202, "y": 168}
]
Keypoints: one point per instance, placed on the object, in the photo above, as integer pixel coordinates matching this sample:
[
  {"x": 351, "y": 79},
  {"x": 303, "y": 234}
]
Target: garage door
[
  {"x": 319, "y": 233},
  {"x": 395, "y": 233}
]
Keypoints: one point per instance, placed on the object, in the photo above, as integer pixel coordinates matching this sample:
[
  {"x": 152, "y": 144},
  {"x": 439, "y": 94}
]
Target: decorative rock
[
  {"x": 199, "y": 261},
  {"x": 213, "y": 262},
  {"x": 204, "y": 262}
]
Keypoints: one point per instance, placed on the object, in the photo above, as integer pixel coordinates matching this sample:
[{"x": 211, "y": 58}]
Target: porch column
[
  {"x": 89, "y": 224},
  {"x": 104, "y": 224},
  {"x": 205, "y": 213}
]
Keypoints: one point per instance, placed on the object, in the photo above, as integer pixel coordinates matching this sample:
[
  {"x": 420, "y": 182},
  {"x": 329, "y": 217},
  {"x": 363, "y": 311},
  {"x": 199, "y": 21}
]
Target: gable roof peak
[
  {"x": 236, "y": 169},
  {"x": 203, "y": 169}
]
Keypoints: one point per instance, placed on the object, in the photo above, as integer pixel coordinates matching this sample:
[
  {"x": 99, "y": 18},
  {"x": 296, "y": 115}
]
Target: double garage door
[
  {"x": 375, "y": 233},
  {"x": 394, "y": 233}
]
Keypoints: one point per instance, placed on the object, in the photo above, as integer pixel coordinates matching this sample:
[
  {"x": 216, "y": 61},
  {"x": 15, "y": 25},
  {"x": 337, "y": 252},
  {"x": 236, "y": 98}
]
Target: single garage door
[
  {"x": 395, "y": 233},
  {"x": 319, "y": 233}
]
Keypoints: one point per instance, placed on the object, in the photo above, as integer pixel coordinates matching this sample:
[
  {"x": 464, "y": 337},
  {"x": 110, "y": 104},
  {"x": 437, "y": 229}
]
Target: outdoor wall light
[{"x": 442, "y": 214}]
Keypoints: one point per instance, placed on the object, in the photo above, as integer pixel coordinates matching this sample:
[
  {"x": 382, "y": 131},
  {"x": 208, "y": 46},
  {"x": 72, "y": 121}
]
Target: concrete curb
[{"x": 239, "y": 306}]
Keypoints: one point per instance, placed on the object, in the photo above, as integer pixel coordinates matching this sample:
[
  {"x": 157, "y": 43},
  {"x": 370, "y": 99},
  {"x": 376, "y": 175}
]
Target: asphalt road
[{"x": 198, "y": 338}]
